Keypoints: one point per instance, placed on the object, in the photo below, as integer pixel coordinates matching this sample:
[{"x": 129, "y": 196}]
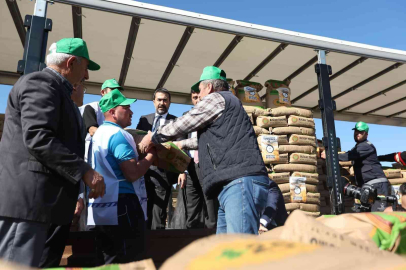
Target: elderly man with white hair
[{"x": 41, "y": 153}]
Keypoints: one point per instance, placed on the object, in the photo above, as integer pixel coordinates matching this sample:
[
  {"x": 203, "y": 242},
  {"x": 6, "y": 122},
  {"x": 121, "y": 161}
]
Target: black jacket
[
  {"x": 275, "y": 209},
  {"x": 366, "y": 163},
  {"x": 145, "y": 123},
  {"x": 228, "y": 148},
  {"x": 41, "y": 151}
]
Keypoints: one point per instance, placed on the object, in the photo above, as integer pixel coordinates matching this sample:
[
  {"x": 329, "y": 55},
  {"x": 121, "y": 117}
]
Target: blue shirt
[{"x": 119, "y": 150}]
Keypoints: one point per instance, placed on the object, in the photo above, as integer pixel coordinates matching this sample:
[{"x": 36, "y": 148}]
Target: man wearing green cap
[
  {"x": 118, "y": 217},
  {"x": 367, "y": 169},
  {"x": 231, "y": 166},
  {"x": 42, "y": 152}
]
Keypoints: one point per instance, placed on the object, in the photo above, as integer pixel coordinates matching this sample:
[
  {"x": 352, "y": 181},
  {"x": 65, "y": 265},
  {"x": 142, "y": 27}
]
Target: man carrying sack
[
  {"x": 231, "y": 166},
  {"x": 118, "y": 217}
]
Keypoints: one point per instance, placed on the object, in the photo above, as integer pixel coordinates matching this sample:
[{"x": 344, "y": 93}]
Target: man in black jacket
[
  {"x": 41, "y": 154},
  {"x": 367, "y": 169},
  {"x": 231, "y": 166},
  {"x": 158, "y": 181}
]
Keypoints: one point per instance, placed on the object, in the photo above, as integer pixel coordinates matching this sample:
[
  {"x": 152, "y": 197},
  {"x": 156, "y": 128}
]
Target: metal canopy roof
[{"x": 146, "y": 46}]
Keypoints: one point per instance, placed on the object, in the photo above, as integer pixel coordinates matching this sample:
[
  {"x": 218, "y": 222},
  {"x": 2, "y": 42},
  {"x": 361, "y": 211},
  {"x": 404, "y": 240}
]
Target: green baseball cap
[
  {"x": 210, "y": 73},
  {"x": 113, "y": 99},
  {"x": 361, "y": 126},
  {"x": 112, "y": 84},
  {"x": 76, "y": 47}
]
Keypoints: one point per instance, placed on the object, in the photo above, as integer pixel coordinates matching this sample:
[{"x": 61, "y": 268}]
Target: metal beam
[
  {"x": 18, "y": 20},
  {"x": 93, "y": 88},
  {"x": 175, "y": 57},
  {"x": 332, "y": 77},
  {"x": 385, "y": 106},
  {"x": 367, "y": 80},
  {"x": 180, "y": 17},
  {"x": 77, "y": 22},
  {"x": 383, "y": 92},
  {"x": 228, "y": 50},
  {"x": 132, "y": 36},
  {"x": 266, "y": 61},
  {"x": 395, "y": 114}
]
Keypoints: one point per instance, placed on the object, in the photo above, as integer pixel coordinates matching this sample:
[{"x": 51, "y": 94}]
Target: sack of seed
[{"x": 300, "y": 121}]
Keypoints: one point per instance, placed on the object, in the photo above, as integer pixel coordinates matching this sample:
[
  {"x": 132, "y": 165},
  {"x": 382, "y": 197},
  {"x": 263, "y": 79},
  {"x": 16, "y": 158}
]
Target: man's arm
[
  {"x": 204, "y": 113},
  {"x": 361, "y": 151},
  {"x": 40, "y": 118},
  {"x": 133, "y": 169}
]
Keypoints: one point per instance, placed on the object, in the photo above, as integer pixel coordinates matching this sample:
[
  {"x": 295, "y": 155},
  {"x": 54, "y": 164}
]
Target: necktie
[
  {"x": 157, "y": 123},
  {"x": 196, "y": 156}
]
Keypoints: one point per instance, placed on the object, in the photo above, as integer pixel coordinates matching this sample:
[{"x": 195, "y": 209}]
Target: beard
[{"x": 162, "y": 110}]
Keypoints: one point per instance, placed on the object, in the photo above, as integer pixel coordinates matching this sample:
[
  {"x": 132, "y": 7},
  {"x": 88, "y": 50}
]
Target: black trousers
[
  {"x": 200, "y": 211},
  {"x": 125, "y": 242},
  {"x": 158, "y": 183},
  {"x": 379, "y": 206},
  {"x": 54, "y": 245}
]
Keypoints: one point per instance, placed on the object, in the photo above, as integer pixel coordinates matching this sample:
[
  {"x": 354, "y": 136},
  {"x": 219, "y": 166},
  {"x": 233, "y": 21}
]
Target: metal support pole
[
  {"x": 327, "y": 107},
  {"x": 36, "y": 39}
]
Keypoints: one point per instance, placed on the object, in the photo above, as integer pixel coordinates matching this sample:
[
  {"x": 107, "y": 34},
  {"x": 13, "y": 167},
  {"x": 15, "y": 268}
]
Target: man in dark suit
[
  {"x": 158, "y": 181},
  {"x": 41, "y": 153}
]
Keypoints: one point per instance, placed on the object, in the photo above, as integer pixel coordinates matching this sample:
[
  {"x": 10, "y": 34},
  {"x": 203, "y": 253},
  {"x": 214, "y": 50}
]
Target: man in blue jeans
[{"x": 231, "y": 166}]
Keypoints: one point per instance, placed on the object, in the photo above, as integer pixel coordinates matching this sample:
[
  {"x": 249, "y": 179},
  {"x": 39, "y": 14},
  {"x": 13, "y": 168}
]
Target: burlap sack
[
  {"x": 309, "y": 207},
  {"x": 345, "y": 163},
  {"x": 309, "y": 188},
  {"x": 303, "y": 158},
  {"x": 269, "y": 121},
  {"x": 233, "y": 251},
  {"x": 258, "y": 131},
  {"x": 293, "y": 130},
  {"x": 390, "y": 174},
  {"x": 231, "y": 85},
  {"x": 256, "y": 111},
  {"x": 282, "y": 139},
  {"x": 251, "y": 118},
  {"x": 277, "y": 93},
  {"x": 300, "y": 121},
  {"x": 292, "y": 206},
  {"x": 295, "y": 139},
  {"x": 291, "y": 111},
  {"x": 247, "y": 92},
  {"x": 311, "y": 198},
  {"x": 311, "y": 214},
  {"x": 397, "y": 181},
  {"x": 307, "y": 149},
  {"x": 294, "y": 168},
  {"x": 283, "y": 159},
  {"x": 279, "y": 178},
  {"x": 311, "y": 178},
  {"x": 268, "y": 144}
]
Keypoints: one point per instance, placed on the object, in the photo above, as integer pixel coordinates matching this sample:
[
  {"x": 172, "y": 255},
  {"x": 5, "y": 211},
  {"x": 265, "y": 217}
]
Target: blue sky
[{"x": 374, "y": 22}]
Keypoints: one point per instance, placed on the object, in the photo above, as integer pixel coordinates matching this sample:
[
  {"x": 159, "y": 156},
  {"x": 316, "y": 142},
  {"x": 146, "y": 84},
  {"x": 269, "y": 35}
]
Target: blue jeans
[{"x": 242, "y": 202}]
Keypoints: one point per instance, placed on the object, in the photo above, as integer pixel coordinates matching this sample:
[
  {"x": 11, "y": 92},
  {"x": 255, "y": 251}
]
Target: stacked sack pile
[{"x": 286, "y": 137}]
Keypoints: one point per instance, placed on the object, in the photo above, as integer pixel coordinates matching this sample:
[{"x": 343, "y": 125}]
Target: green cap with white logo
[
  {"x": 112, "y": 84},
  {"x": 361, "y": 126},
  {"x": 113, "y": 99},
  {"x": 76, "y": 47},
  {"x": 210, "y": 73}
]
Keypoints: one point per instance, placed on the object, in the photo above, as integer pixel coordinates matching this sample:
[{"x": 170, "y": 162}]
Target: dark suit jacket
[
  {"x": 145, "y": 123},
  {"x": 41, "y": 151}
]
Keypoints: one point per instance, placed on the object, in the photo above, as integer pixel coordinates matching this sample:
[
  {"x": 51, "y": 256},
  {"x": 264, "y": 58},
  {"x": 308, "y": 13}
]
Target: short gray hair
[
  {"x": 218, "y": 85},
  {"x": 56, "y": 59}
]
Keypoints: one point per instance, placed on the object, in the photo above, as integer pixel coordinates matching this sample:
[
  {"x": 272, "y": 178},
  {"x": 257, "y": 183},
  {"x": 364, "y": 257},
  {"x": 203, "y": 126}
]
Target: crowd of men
[{"x": 60, "y": 157}]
